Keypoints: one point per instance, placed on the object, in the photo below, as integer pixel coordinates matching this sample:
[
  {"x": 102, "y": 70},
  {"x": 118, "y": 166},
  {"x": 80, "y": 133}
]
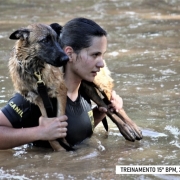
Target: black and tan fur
[{"x": 36, "y": 48}]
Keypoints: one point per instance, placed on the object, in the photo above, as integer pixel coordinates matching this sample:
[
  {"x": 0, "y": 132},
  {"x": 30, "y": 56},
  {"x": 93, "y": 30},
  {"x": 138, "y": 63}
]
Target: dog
[
  {"x": 35, "y": 59},
  {"x": 99, "y": 91}
]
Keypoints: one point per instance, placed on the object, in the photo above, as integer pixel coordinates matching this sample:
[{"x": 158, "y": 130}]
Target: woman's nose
[{"x": 100, "y": 63}]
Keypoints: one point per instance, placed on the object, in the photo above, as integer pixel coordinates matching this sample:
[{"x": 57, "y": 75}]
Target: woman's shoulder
[
  {"x": 17, "y": 97},
  {"x": 14, "y": 109}
]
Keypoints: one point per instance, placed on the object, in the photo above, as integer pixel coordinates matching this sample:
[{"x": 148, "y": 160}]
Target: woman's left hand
[{"x": 116, "y": 102}]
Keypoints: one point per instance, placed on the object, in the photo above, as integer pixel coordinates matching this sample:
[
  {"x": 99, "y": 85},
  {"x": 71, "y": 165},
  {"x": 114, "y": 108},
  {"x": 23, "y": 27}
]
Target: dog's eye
[{"x": 45, "y": 40}]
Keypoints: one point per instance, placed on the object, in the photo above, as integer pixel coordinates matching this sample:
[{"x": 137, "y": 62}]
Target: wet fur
[
  {"x": 36, "y": 45},
  {"x": 104, "y": 81}
]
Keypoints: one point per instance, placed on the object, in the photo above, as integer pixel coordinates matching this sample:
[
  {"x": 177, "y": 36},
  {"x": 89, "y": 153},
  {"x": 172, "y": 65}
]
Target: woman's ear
[{"x": 69, "y": 51}]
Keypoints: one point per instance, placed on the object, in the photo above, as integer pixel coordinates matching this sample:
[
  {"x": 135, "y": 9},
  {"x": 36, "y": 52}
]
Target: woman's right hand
[{"x": 52, "y": 128}]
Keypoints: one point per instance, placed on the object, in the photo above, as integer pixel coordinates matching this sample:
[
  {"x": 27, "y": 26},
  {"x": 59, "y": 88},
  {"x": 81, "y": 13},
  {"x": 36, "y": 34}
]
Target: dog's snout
[{"x": 61, "y": 60}]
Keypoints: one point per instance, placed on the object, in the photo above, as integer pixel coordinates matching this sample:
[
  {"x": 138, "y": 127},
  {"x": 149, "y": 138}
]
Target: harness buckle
[{"x": 39, "y": 77}]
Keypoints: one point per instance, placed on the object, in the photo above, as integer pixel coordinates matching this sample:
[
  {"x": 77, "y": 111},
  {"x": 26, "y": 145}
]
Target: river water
[{"x": 143, "y": 56}]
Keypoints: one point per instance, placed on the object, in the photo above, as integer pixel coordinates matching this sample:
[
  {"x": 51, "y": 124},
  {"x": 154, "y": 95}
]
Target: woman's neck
[{"x": 72, "y": 83}]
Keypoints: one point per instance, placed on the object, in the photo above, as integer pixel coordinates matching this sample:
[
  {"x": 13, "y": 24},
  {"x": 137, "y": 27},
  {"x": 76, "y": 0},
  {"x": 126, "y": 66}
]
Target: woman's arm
[{"x": 48, "y": 129}]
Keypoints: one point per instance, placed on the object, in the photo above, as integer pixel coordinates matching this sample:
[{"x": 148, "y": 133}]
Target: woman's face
[{"x": 88, "y": 62}]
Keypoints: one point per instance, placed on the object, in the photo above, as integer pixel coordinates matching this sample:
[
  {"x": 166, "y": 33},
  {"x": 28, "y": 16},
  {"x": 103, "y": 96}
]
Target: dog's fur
[
  {"x": 104, "y": 81},
  {"x": 36, "y": 47}
]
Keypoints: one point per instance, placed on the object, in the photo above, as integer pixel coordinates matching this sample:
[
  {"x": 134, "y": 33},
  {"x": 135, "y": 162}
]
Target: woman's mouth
[{"x": 94, "y": 73}]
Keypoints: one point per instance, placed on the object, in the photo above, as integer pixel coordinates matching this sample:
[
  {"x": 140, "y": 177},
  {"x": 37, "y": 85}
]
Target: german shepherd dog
[
  {"x": 35, "y": 59},
  {"x": 100, "y": 92}
]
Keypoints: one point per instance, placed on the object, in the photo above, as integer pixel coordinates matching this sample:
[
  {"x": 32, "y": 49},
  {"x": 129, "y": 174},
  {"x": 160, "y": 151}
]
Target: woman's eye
[{"x": 95, "y": 55}]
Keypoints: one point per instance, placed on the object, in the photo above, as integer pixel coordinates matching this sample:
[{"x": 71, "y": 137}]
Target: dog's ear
[
  {"x": 56, "y": 27},
  {"x": 20, "y": 34}
]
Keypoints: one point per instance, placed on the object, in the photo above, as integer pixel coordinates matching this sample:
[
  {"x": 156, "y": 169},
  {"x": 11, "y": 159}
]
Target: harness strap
[{"x": 42, "y": 90}]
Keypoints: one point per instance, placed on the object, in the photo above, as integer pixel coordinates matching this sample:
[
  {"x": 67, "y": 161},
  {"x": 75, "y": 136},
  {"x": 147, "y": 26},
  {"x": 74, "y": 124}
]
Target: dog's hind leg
[
  {"x": 124, "y": 128},
  {"x": 124, "y": 117},
  {"x": 122, "y": 114},
  {"x": 54, "y": 144},
  {"x": 62, "y": 98},
  {"x": 61, "y": 104}
]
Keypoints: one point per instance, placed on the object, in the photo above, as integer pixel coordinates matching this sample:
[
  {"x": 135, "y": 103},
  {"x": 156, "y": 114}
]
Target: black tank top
[
  {"x": 22, "y": 113},
  {"x": 80, "y": 120}
]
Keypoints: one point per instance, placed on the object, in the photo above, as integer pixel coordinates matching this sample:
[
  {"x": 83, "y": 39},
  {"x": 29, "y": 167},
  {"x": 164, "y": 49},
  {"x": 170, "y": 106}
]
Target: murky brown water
[{"x": 143, "y": 55}]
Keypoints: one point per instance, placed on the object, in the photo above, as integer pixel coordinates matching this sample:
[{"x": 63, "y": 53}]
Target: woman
[{"x": 85, "y": 43}]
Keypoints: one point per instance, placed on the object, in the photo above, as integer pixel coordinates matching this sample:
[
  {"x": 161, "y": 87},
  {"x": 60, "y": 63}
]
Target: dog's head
[{"x": 40, "y": 42}]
